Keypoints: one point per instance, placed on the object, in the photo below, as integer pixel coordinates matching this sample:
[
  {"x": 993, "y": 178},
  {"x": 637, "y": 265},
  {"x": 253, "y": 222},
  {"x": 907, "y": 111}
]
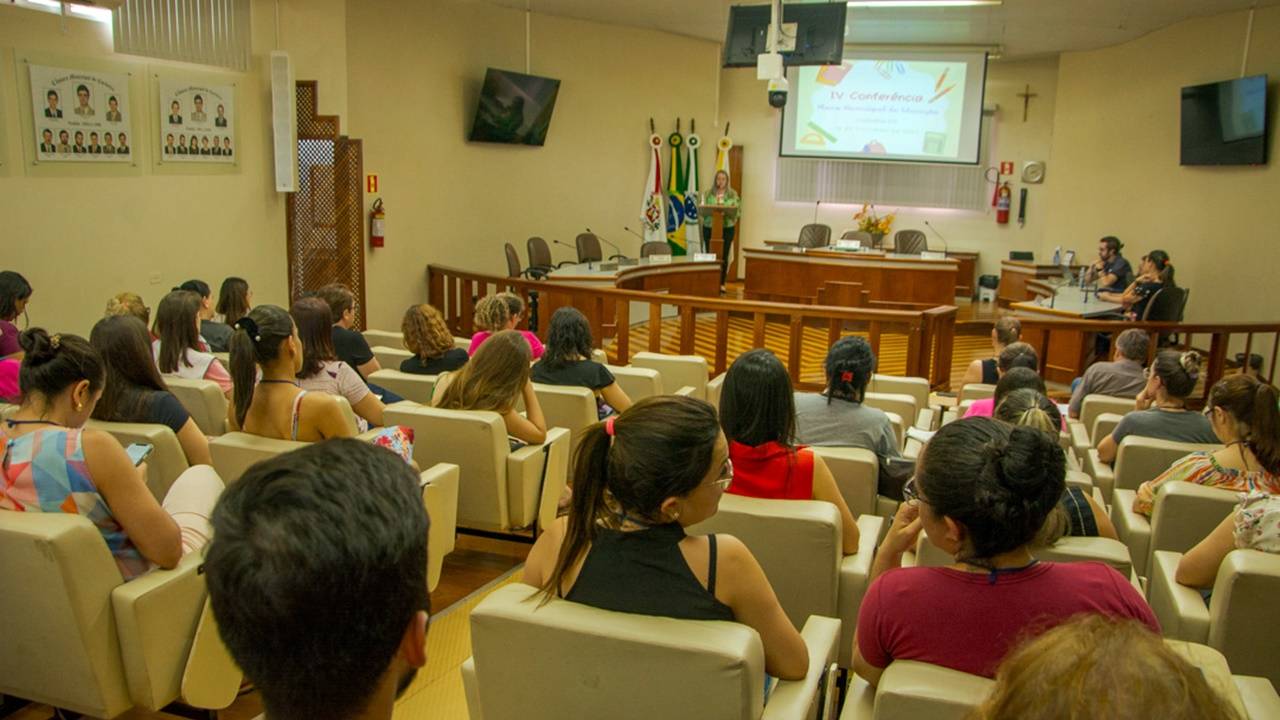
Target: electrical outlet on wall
[{"x": 154, "y": 279}]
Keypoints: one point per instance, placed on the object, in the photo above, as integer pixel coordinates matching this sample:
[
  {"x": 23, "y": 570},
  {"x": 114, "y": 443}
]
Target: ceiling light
[{"x": 921, "y": 3}]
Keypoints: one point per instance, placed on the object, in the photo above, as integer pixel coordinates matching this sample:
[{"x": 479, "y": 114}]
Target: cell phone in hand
[{"x": 138, "y": 452}]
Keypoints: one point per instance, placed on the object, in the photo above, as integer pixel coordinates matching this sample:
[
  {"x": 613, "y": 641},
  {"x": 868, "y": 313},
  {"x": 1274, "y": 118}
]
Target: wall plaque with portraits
[
  {"x": 197, "y": 122},
  {"x": 81, "y": 116}
]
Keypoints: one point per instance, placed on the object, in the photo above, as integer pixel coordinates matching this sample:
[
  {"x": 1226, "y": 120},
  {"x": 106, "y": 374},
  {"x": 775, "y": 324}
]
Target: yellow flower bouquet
[{"x": 870, "y": 222}]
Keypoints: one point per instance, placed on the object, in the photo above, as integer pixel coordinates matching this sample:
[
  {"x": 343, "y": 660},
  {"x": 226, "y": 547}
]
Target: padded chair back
[
  {"x": 713, "y": 669},
  {"x": 654, "y": 248},
  {"x": 440, "y": 498},
  {"x": 916, "y": 387},
  {"x": 797, "y": 542},
  {"x": 677, "y": 371},
  {"x": 910, "y": 690},
  {"x": 7, "y": 409},
  {"x": 539, "y": 252},
  {"x": 462, "y": 343},
  {"x": 1103, "y": 425},
  {"x": 390, "y": 357},
  {"x": 388, "y": 338},
  {"x": 1165, "y": 305},
  {"x": 409, "y": 386},
  {"x": 975, "y": 391},
  {"x": 1186, "y": 513},
  {"x": 1084, "y": 549},
  {"x": 904, "y": 406},
  {"x": 572, "y": 408},
  {"x": 856, "y": 472},
  {"x": 203, "y": 400},
  {"x": 638, "y": 383},
  {"x": 344, "y": 407},
  {"x": 866, "y": 238},
  {"x": 1094, "y": 405},
  {"x": 588, "y": 247},
  {"x": 910, "y": 242},
  {"x": 1140, "y": 459},
  {"x": 814, "y": 235},
  {"x": 60, "y": 635},
  {"x": 1242, "y": 613},
  {"x": 513, "y": 260},
  {"x": 234, "y": 452},
  {"x": 166, "y": 462}
]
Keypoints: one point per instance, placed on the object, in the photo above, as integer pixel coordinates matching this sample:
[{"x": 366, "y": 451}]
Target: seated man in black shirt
[
  {"x": 349, "y": 344},
  {"x": 1112, "y": 271}
]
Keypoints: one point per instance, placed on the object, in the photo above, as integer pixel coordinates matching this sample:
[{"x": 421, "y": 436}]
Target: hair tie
[
  {"x": 55, "y": 341},
  {"x": 846, "y": 376},
  {"x": 608, "y": 425},
  {"x": 247, "y": 324}
]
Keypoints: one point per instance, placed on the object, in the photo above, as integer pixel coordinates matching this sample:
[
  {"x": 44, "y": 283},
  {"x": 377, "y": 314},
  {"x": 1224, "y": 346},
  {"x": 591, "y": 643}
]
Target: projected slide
[{"x": 890, "y": 108}]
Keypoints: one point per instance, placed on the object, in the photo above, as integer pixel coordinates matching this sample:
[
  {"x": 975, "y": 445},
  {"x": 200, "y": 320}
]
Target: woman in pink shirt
[
  {"x": 504, "y": 311},
  {"x": 1017, "y": 355}
]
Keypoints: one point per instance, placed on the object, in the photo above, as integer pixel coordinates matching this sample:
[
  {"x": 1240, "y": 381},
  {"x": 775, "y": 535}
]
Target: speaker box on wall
[
  {"x": 1033, "y": 172},
  {"x": 284, "y": 122}
]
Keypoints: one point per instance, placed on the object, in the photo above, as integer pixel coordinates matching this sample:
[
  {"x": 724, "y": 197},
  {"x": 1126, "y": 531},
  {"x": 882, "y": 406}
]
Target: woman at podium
[{"x": 721, "y": 194}]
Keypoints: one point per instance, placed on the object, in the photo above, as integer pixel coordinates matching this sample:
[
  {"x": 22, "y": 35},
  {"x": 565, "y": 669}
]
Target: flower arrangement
[{"x": 870, "y": 222}]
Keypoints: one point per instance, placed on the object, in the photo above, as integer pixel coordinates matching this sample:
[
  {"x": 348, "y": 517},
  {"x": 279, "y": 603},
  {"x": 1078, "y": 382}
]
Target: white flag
[
  {"x": 692, "y": 224},
  {"x": 653, "y": 209}
]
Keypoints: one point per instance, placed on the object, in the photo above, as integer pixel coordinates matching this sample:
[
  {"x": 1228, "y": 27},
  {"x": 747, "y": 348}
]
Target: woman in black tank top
[{"x": 639, "y": 479}]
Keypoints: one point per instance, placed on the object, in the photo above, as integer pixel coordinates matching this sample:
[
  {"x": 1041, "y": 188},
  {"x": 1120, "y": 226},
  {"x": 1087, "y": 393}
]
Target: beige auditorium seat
[
  {"x": 638, "y": 383},
  {"x": 714, "y": 386},
  {"x": 677, "y": 371},
  {"x": 79, "y": 638},
  {"x": 857, "y": 472},
  {"x": 1066, "y": 549},
  {"x": 462, "y": 343},
  {"x": 1080, "y": 479},
  {"x": 1085, "y": 432},
  {"x": 386, "y": 338},
  {"x": 166, "y": 462},
  {"x": 1183, "y": 514},
  {"x": 975, "y": 391},
  {"x": 916, "y": 387},
  {"x": 389, "y": 358},
  {"x": 1239, "y": 620},
  {"x": 409, "y": 386},
  {"x": 6, "y": 410},
  {"x": 599, "y": 356},
  {"x": 224, "y": 358},
  {"x": 570, "y": 407},
  {"x": 626, "y": 666},
  {"x": 500, "y": 490},
  {"x": 205, "y": 402},
  {"x": 1138, "y": 460},
  {"x": 440, "y": 498},
  {"x": 234, "y": 452},
  {"x": 798, "y": 543}
]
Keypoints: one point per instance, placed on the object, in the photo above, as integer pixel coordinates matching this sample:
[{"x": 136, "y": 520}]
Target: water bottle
[{"x": 1057, "y": 255}]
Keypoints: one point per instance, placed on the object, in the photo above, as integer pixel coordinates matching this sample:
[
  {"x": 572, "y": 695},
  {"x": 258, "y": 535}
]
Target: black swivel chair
[
  {"x": 588, "y": 248},
  {"x": 513, "y": 266},
  {"x": 540, "y": 255},
  {"x": 814, "y": 235},
  {"x": 910, "y": 242}
]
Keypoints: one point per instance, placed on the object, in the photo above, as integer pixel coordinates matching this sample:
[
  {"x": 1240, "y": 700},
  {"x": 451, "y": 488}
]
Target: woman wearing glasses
[
  {"x": 981, "y": 492},
  {"x": 640, "y": 478}
]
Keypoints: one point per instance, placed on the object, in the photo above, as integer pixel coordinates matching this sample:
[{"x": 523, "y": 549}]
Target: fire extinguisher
[
  {"x": 378, "y": 227},
  {"x": 1004, "y": 198}
]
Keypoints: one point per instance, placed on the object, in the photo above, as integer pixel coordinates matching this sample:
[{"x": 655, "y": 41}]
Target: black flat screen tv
[
  {"x": 1225, "y": 123},
  {"x": 820, "y": 29},
  {"x": 514, "y": 108}
]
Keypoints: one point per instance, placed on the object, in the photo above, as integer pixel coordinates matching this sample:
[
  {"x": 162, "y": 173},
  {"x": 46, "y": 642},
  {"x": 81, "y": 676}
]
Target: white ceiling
[{"x": 1022, "y": 27}]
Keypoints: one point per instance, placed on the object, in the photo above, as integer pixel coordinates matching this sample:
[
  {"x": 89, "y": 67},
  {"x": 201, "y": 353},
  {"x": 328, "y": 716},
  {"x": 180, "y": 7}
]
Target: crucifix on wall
[{"x": 1026, "y": 96}]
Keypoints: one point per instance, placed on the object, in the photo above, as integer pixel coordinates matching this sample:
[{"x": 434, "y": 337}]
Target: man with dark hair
[
  {"x": 175, "y": 113},
  {"x": 319, "y": 586},
  {"x": 46, "y": 141},
  {"x": 79, "y": 147},
  {"x": 83, "y": 108},
  {"x": 64, "y": 141},
  {"x": 52, "y": 111},
  {"x": 1122, "y": 377},
  {"x": 221, "y": 119},
  {"x": 1112, "y": 271},
  {"x": 349, "y": 344},
  {"x": 198, "y": 114},
  {"x": 113, "y": 109}
]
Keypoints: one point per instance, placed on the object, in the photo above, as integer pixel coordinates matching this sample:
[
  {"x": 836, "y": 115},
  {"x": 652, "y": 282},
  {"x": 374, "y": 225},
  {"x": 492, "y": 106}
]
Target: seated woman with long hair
[
  {"x": 1244, "y": 416},
  {"x": 322, "y": 371},
  {"x": 758, "y": 415},
  {"x": 1161, "y": 408},
  {"x": 234, "y": 300},
  {"x": 639, "y": 479},
  {"x": 135, "y": 392},
  {"x": 503, "y": 311},
  {"x": 276, "y": 406},
  {"x": 567, "y": 361},
  {"x": 1078, "y": 514},
  {"x": 50, "y": 463},
  {"x": 178, "y": 350},
  {"x": 982, "y": 492},
  {"x": 427, "y": 336},
  {"x": 495, "y": 379}
]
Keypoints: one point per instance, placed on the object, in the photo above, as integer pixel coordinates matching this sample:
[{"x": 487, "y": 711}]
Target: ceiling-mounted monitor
[{"x": 819, "y": 34}]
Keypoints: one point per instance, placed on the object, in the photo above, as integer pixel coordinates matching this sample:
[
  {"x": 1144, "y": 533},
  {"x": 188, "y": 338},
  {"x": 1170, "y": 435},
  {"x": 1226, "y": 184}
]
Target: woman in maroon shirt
[
  {"x": 758, "y": 415},
  {"x": 982, "y": 491}
]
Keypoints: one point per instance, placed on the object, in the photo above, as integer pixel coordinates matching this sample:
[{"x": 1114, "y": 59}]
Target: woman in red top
[
  {"x": 758, "y": 414},
  {"x": 982, "y": 491}
]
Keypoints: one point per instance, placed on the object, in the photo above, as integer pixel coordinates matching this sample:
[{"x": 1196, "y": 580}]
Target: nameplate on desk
[
  {"x": 627, "y": 262},
  {"x": 608, "y": 266},
  {"x": 933, "y": 255},
  {"x": 659, "y": 259},
  {"x": 705, "y": 257},
  {"x": 848, "y": 244}
]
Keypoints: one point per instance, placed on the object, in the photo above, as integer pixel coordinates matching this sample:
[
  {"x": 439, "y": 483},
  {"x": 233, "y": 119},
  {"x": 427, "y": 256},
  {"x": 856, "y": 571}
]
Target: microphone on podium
[
  {"x": 935, "y": 232},
  {"x": 616, "y": 249},
  {"x": 574, "y": 249},
  {"x": 633, "y": 232}
]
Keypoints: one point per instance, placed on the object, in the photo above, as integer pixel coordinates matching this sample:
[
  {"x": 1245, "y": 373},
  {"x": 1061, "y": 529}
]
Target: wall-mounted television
[
  {"x": 819, "y": 37},
  {"x": 1225, "y": 123},
  {"x": 514, "y": 108}
]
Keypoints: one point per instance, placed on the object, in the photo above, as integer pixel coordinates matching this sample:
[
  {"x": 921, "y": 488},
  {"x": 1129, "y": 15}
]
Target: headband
[
  {"x": 608, "y": 425},
  {"x": 247, "y": 324}
]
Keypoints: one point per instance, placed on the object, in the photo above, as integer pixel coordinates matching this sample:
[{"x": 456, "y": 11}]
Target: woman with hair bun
[
  {"x": 982, "y": 492},
  {"x": 1244, "y": 414},
  {"x": 1161, "y": 410}
]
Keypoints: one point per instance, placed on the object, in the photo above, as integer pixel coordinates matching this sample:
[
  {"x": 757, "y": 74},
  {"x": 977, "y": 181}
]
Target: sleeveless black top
[
  {"x": 644, "y": 572},
  {"x": 989, "y": 374}
]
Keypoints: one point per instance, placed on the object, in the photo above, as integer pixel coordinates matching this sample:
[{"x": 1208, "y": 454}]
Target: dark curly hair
[
  {"x": 568, "y": 338},
  {"x": 849, "y": 367}
]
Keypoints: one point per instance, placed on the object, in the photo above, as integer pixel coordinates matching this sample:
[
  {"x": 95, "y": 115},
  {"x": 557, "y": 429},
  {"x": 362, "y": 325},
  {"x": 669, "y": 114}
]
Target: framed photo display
[
  {"x": 197, "y": 122},
  {"x": 81, "y": 116}
]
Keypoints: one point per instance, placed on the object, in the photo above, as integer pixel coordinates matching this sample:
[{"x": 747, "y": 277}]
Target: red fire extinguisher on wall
[
  {"x": 378, "y": 220},
  {"x": 1003, "y": 200}
]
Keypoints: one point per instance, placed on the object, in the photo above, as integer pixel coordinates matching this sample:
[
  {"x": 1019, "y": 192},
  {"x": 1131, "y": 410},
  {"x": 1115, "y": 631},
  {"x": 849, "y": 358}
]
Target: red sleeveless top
[{"x": 771, "y": 471}]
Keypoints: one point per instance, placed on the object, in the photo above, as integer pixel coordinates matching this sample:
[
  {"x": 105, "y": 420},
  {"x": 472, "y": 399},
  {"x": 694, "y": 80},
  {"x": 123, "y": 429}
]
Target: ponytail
[
  {"x": 591, "y": 478},
  {"x": 255, "y": 341},
  {"x": 1264, "y": 430},
  {"x": 849, "y": 367}
]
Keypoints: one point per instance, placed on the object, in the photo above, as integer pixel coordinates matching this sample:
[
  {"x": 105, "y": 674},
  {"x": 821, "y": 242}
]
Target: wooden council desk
[
  {"x": 681, "y": 276},
  {"x": 1069, "y": 351},
  {"x": 789, "y": 275},
  {"x": 1014, "y": 275}
]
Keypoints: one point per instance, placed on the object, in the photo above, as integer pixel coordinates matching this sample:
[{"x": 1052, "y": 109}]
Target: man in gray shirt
[{"x": 1122, "y": 377}]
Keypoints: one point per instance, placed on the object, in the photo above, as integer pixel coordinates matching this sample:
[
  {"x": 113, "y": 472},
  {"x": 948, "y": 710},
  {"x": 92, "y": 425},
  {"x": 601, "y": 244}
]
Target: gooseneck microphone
[
  {"x": 616, "y": 249},
  {"x": 935, "y": 232},
  {"x": 574, "y": 249},
  {"x": 633, "y": 232}
]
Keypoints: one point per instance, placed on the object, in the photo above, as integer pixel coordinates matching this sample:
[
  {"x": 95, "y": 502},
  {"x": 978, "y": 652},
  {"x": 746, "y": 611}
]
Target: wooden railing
[
  {"x": 1220, "y": 338},
  {"x": 930, "y": 333}
]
